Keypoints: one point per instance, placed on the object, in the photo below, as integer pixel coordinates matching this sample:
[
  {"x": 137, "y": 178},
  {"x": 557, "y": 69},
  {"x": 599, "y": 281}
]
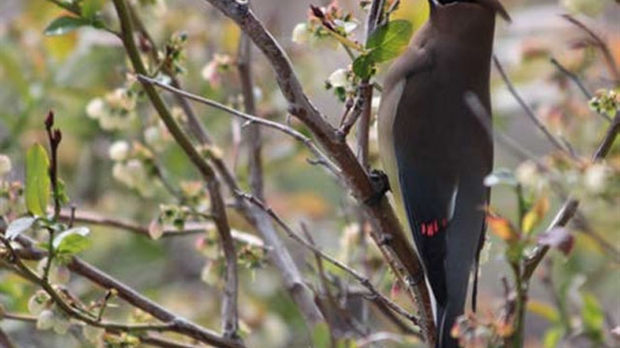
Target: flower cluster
[
  {"x": 478, "y": 332},
  {"x": 133, "y": 166},
  {"x": 325, "y": 22},
  {"x": 606, "y": 102},
  {"x": 114, "y": 111},
  {"x": 216, "y": 68}
]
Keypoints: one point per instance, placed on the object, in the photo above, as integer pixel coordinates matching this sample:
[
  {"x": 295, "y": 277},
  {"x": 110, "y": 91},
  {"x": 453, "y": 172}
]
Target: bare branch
[
  {"x": 244, "y": 66},
  {"x": 106, "y": 282},
  {"x": 365, "y": 282},
  {"x": 569, "y": 208},
  {"x": 600, "y": 44},
  {"x": 190, "y": 228},
  {"x": 229, "y": 305},
  {"x": 528, "y": 110},
  {"x": 252, "y": 119},
  {"x": 573, "y": 77},
  {"x": 388, "y": 232}
]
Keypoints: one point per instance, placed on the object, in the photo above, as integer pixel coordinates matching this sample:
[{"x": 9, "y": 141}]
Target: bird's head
[{"x": 493, "y": 5}]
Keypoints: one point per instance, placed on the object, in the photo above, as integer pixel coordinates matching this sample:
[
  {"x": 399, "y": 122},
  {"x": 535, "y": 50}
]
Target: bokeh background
[{"x": 66, "y": 73}]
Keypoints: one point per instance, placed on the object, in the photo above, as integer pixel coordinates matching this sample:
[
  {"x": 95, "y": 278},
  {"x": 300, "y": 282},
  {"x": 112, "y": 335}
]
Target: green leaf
[
  {"x": 544, "y": 310},
  {"x": 553, "y": 337},
  {"x": 19, "y": 226},
  {"x": 389, "y": 40},
  {"x": 593, "y": 318},
  {"x": 37, "y": 180},
  {"x": 91, "y": 7},
  {"x": 72, "y": 241},
  {"x": 65, "y": 24},
  {"x": 321, "y": 336},
  {"x": 363, "y": 66}
]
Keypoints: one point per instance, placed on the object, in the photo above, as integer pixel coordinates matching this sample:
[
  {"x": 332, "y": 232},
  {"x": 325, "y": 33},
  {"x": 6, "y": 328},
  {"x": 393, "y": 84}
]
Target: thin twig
[
  {"x": 360, "y": 278},
  {"x": 163, "y": 343},
  {"x": 528, "y": 110},
  {"x": 68, "y": 308},
  {"x": 5, "y": 341},
  {"x": 20, "y": 317},
  {"x": 483, "y": 116},
  {"x": 573, "y": 77},
  {"x": 230, "y": 320},
  {"x": 600, "y": 44},
  {"x": 386, "y": 224},
  {"x": 250, "y": 118},
  {"x": 105, "y": 281},
  {"x": 569, "y": 208},
  {"x": 577, "y": 81},
  {"x": 190, "y": 228},
  {"x": 244, "y": 66}
]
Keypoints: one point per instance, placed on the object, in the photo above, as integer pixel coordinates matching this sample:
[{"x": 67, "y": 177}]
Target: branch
[
  {"x": 573, "y": 77},
  {"x": 191, "y": 228},
  {"x": 229, "y": 306},
  {"x": 251, "y": 119},
  {"x": 388, "y": 232},
  {"x": 569, "y": 208},
  {"x": 365, "y": 282},
  {"x": 106, "y": 282},
  {"x": 244, "y": 66},
  {"x": 68, "y": 308},
  {"x": 528, "y": 110},
  {"x": 600, "y": 44},
  {"x": 5, "y": 341}
]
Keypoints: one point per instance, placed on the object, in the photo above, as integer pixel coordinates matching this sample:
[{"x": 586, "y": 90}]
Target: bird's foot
[{"x": 380, "y": 184}]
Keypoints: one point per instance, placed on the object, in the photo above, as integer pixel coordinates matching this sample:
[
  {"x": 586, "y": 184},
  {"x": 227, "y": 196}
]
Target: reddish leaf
[
  {"x": 502, "y": 228},
  {"x": 558, "y": 238}
]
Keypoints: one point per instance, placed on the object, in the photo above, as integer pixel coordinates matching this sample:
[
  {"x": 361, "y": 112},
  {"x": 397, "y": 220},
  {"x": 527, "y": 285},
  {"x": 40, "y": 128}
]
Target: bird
[{"x": 436, "y": 151}]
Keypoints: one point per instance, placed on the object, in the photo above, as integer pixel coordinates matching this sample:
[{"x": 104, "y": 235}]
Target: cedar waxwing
[{"x": 436, "y": 151}]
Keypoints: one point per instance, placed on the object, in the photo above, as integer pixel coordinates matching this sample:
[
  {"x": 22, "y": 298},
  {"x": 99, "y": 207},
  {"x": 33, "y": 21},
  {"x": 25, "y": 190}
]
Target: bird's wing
[
  {"x": 429, "y": 201},
  {"x": 424, "y": 153}
]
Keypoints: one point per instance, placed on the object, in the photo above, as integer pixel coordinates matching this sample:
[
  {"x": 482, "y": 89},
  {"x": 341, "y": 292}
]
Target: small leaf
[
  {"x": 389, "y": 40},
  {"x": 593, "y": 318},
  {"x": 535, "y": 215},
  {"x": 558, "y": 238},
  {"x": 502, "y": 228},
  {"x": 37, "y": 180},
  {"x": 91, "y": 7},
  {"x": 65, "y": 24},
  {"x": 553, "y": 337},
  {"x": 19, "y": 226},
  {"x": 501, "y": 176},
  {"x": 544, "y": 310},
  {"x": 72, "y": 241},
  {"x": 363, "y": 66},
  {"x": 321, "y": 335}
]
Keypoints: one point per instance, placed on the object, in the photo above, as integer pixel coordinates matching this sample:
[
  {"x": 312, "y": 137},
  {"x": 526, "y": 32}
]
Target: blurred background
[{"x": 71, "y": 74}]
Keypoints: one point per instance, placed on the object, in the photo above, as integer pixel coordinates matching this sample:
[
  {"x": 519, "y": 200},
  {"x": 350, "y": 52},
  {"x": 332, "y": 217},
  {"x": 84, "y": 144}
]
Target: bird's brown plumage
[{"x": 435, "y": 150}]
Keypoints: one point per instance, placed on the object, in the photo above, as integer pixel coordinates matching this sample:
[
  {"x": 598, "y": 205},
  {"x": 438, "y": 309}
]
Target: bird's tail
[{"x": 445, "y": 321}]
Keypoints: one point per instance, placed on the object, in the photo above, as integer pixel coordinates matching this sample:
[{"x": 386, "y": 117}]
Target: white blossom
[
  {"x": 301, "y": 33},
  {"x": 596, "y": 177},
  {"x": 338, "y": 78},
  {"x": 119, "y": 151},
  {"x": 5, "y": 164},
  {"x": 527, "y": 174},
  {"x": 45, "y": 320},
  {"x": 95, "y": 108},
  {"x": 155, "y": 137}
]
